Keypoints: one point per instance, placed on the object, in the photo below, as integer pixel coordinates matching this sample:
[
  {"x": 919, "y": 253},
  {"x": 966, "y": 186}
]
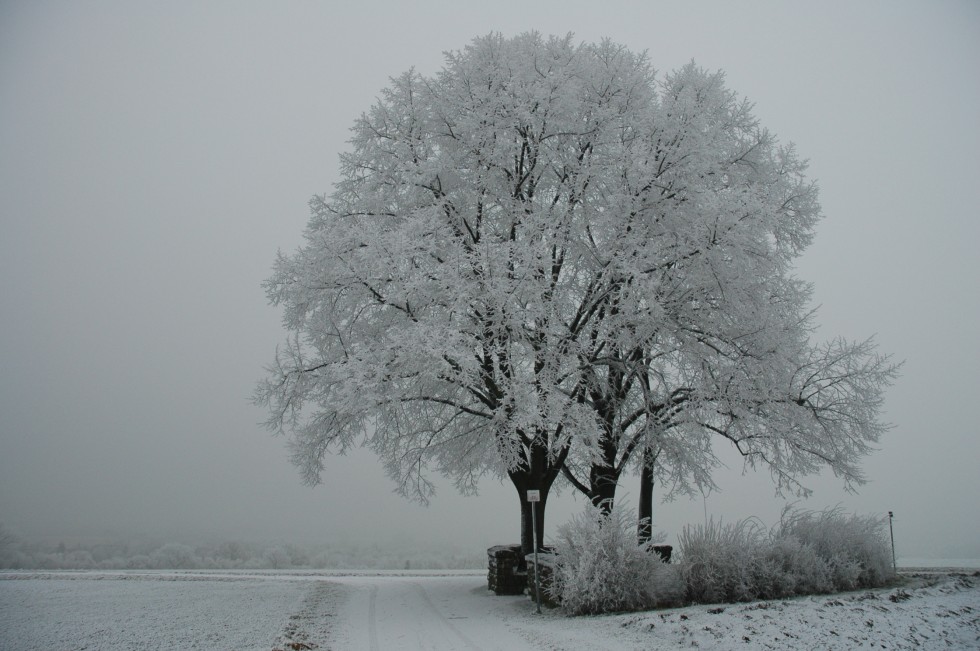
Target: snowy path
[
  {"x": 299, "y": 611},
  {"x": 450, "y": 613},
  {"x": 391, "y": 613}
]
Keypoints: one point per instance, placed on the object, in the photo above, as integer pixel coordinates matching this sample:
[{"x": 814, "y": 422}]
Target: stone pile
[{"x": 506, "y": 576}]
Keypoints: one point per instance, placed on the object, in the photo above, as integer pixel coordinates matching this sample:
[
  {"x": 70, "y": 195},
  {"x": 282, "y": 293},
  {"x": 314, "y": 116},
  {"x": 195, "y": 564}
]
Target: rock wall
[
  {"x": 505, "y": 575},
  {"x": 546, "y": 573}
]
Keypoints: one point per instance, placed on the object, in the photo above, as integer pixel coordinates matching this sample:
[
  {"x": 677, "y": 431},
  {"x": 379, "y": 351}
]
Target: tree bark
[
  {"x": 644, "y": 527},
  {"x": 603, "y": 476},
  {"x": 538, "y": 474},
  {"x": 603, "y": 481},
  {"x": 532, "y": 524}
]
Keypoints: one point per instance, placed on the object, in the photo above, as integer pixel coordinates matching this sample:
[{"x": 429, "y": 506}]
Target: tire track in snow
[
  {"x": 428, "y": 614},
  {"x": 310, "y": 626},
  {"x": 373, "y": 619},
  {"x": 442, "y": 618}
]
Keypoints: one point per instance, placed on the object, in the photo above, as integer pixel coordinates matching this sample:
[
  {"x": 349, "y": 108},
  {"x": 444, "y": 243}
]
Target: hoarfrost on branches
[{"x": 546, "y": 258}]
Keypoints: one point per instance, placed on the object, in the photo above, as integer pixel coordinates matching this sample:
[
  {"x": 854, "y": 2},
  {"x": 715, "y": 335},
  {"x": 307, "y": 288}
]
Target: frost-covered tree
[
  {"x": 6, "y": 537},
  {"x": 703, "y": 331},
  {"x": 545, "y": 258}
]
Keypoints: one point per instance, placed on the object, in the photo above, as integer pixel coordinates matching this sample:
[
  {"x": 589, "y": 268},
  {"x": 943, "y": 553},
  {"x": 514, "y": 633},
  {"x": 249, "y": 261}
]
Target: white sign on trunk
[{"x": 534, "y": 496}]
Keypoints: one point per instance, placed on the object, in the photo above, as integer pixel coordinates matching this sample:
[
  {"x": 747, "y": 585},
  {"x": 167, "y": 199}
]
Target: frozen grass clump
[
  {"x": 600, "y": 567},
  {"x": 854, "y": 547},
  {"x": 809, "y": 552},
  {"x": 795, "y": 568},
  {"x": 719, "y": 561}
]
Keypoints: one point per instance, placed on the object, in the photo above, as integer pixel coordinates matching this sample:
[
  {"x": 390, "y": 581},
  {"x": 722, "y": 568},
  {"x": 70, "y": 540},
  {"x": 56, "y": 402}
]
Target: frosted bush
[
  {"x": 809, "y": 552},
  {"x": 276, "y": 557},
  {"x": 855, "y": 547},
  {"x": 796, "y": 569},
  {"x": 174, "y": 556},
  {"x": 718, "y": 560},
  {"x": 601, "y": 568}
]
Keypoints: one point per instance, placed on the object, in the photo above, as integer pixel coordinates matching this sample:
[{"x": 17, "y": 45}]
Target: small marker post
[
  {"x": 534, "y": 497},
  {"x": 891, "y": 531}
]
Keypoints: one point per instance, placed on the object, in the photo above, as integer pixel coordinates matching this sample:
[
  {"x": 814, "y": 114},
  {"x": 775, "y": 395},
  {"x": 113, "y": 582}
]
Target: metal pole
[
  {"x": 891, "y": 531},
  {"x": 534, "y": 537}
]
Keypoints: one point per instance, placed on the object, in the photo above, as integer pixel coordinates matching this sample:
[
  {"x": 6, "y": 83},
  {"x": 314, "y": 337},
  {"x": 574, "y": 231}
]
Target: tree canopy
[{"x": 547, "y": 258}]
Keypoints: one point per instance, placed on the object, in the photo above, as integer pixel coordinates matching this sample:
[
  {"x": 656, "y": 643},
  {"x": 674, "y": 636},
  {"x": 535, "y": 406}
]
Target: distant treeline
[{"x": 18, "y": 554}]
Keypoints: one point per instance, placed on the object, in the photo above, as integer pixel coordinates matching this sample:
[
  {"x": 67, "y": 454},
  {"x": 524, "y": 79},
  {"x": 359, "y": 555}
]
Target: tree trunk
[
  {"x": 523, "y": 484},
  {"x": 602, "y": 487},
  {"x": 529, "y": 520},
  {"x": 644, "y": 528},
  {"x": 603, "y": 476},
  {"x": 539, "y": 474}
]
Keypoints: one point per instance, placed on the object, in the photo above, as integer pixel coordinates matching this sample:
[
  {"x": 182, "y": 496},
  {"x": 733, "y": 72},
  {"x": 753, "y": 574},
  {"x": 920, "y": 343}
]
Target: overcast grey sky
[{"x": 154, "y": 156}]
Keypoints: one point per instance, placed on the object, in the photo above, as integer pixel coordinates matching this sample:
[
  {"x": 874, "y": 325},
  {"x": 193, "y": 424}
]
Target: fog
[{"x": 155, "y": 156}]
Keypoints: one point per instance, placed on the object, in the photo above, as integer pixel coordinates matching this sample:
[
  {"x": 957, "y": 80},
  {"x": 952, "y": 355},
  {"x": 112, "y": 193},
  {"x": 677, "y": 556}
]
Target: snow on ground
[
  {"x": 93, "y": 611},
  {"x": 448, "y": 610}
]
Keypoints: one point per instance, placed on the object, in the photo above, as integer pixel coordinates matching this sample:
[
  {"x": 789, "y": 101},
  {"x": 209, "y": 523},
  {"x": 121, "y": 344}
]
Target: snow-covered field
[{"x": 448, "y": 610}]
